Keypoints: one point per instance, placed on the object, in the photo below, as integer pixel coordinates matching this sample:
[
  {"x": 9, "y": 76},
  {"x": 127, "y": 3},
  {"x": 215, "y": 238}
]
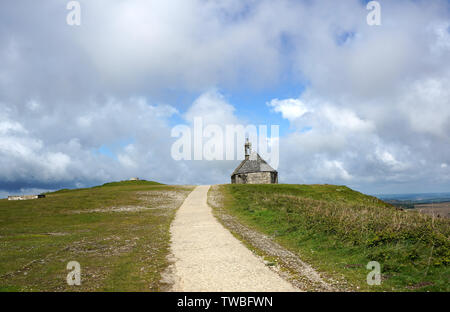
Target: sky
[{"x": 357, "y": 105}]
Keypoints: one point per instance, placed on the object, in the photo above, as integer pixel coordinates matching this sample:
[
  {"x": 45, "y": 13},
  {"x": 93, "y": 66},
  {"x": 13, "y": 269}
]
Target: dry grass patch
[{"x": 119, "y": 233}]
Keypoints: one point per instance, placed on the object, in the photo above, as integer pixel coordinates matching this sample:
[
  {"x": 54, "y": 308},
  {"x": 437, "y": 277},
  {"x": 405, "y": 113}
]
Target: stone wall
[{"x": 256, "y": 178}]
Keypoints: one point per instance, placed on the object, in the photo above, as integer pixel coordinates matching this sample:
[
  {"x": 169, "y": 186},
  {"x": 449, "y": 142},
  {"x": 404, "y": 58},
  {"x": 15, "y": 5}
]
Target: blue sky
[{"x": 359, "y": 105}]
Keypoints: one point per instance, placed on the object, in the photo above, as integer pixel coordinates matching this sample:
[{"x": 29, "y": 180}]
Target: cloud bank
[{"x": 85, "y": 105}]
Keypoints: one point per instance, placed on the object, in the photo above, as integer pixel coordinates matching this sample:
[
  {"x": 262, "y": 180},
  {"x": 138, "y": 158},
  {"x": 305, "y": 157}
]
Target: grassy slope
[
  {"x": 339, "y": 231},
  {"x": 123, "y": 251}
]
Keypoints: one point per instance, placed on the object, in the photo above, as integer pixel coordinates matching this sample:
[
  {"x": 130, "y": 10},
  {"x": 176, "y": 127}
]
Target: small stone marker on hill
[{"x": 25, "y": 197}]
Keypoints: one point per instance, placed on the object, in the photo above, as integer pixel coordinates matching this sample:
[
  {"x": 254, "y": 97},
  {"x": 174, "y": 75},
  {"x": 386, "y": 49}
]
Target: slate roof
[{"x": 253, "y": 164}]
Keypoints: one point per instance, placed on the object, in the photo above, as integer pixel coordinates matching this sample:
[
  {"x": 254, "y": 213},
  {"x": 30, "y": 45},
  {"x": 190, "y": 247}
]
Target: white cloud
[
  {"x": 126, "y": 158},
  {"x": 389, "y": 159},
  {"x": 213, "y": 108},
  {"x": 442, "y": 33},
  {"x": 39, "y": 154},
  {"x": 426, "y": 105},
  {"x": 334, "y": 169},
  {"x": 33, "y": 105},
  {"x": 344, "y": 119},
  {"x": 9, "y": 126},
  {"x": 290, "y": 109},
  {"x": 374, "y": 113}
]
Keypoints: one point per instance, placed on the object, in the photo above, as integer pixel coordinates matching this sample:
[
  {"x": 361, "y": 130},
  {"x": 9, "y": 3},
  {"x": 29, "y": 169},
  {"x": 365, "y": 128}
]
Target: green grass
[
  {"x": 117, "y": 250},
  {"x": 339, "y": 231},
  {"x": 127, "y": 183}
]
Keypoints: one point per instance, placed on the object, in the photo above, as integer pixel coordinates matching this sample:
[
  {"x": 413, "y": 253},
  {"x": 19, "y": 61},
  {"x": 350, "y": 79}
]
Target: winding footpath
[{"x": 207, "y": 257}]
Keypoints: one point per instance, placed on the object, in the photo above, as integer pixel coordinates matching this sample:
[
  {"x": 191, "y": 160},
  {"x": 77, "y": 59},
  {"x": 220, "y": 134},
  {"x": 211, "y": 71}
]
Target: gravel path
[{"x": 208, "y": 258}]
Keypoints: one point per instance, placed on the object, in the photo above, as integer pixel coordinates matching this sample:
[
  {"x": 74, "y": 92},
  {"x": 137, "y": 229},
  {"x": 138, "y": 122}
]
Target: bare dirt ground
[
  {"x": 207, "y": 257},
  {"x": 440, "y": 210},
  {"x": 154, "y": 200}
]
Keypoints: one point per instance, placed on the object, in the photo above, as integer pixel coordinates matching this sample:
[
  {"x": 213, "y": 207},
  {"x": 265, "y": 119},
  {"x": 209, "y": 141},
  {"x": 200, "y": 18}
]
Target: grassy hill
[
  {"x": 339, "y": 231},
  {"x": 131, "y": 183},
  {"x": 118, "y": 232}
]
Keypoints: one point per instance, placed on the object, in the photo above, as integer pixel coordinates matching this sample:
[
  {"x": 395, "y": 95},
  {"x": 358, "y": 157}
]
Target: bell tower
[{"x": 248, "y": 148}]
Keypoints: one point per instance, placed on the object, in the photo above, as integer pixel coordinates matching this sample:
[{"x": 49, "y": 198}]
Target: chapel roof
[{"x": 254, "y": 163}]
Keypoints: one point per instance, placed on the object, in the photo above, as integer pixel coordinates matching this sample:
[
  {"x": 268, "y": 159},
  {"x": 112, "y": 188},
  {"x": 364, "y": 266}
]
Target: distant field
[
  {"x": 338, "y": 231},
  {"x": 436, "y": 209},
  {"x": 409, "y": 201},
  {"x": 119, "y": 233}
]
